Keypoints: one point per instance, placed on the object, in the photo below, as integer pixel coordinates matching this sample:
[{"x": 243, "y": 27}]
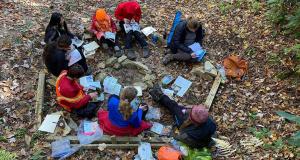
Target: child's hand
[
  {"x": 193, "y": 55},
  {"x": 126, "y": 20},
  {"x": 143, "y": 107},
  {"x": 93, "y": 95},
  {"x": 99, "y": 35}
]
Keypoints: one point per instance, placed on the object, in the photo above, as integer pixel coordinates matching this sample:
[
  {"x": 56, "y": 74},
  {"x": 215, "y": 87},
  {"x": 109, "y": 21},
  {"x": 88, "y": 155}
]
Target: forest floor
[{"x": 240, "y": 109}]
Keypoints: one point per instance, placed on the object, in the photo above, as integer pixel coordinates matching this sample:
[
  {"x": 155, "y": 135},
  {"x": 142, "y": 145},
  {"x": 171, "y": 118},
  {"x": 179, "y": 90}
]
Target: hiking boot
[
  {"x": 118, "y": 51},
  {"x": 156, "y": 92},
  {"x": 104, "y": 45},
  {"x": 146, "y": 52},
  {"x": 168, "y": 58},
  {"x": 130, "y": 54}
]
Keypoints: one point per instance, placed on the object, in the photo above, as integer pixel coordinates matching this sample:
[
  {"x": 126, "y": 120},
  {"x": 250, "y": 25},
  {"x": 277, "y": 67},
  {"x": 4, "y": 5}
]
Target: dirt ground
[{"x": 240, "y": 109}]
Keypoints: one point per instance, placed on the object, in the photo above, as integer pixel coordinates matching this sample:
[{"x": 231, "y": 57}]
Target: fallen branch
[
  {"x": 40, "y": 99},
  {"x": 213, "y": 91}
]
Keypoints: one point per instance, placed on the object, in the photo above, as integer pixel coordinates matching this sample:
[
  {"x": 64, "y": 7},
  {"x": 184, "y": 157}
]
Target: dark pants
[
  {"x": 89, "y": 111},
  {"x": 174, "y": 108},
  {"x": 183, "y": 56},
  {"x": 109, "y": 42},
  {"x": 137, "y": 35},
  {"x": 82, "y": 62}
]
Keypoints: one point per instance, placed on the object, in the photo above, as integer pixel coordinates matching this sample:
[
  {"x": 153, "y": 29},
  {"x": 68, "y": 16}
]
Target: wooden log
[
  {"x": 116, "y": 146},
  {"x": 40, "y": 98},
  {"x": 213, "y": 91},
  {"x": 115, "y": 140}
]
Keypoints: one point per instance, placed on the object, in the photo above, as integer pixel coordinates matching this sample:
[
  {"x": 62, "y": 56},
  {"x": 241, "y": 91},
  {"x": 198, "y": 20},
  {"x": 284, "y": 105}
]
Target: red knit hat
[{"x": 199, "y": 114}]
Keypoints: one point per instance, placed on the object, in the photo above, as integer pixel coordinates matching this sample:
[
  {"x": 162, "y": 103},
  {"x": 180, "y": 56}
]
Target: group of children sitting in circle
[{"x": 194, "y": 124}]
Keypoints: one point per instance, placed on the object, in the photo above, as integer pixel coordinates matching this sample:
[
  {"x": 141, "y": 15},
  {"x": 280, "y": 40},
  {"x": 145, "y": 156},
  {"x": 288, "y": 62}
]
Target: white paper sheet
[
  {"x": 127, "y": 27},
  {"x": 111, "y": 36},
  {"x": 168, "y": 92},
  {"x": 112, "y": 86},
  {"x": 157, "y": 128},
  {"x": 75, "y": 56},
  {"x": 144, "y": 151},
  {"x": 77, "y": 42},
  {"x": 182, "y": 85},
  {"x": 132, "y": 26},
  {"x": 135, "y": 26},
  {"x": 195, "y": 47},
  {"x": 85, "y": 81},
  {"x": 90, "y": 49},
  {"x": 148, "y": 30},
  {"x": 49, "y": 123},
  {"x": 91, "y": 46}
]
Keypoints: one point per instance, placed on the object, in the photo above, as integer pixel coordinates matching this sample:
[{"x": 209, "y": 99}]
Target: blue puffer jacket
[{"x": 116, "y": 117}]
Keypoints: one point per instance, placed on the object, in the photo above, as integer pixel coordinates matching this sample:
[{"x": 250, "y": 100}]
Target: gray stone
[
  {"x": 210, "y": 69},
  {"x": 101, "y": 65},
  {"x": 200, "y": 72},
  {"x": 117, "y": 66},
  {"x": 100, "y": 77},
  {"x": 142, "y": 84},
  {"x": 136, "y": 65},
  {"x": 110, "y": 62},
  {"x": 122, "y": 58},
  {"x": 149, "y": 77}
]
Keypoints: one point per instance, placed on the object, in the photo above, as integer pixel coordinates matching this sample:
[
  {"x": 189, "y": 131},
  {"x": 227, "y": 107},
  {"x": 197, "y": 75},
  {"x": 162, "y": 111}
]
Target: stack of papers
[
  {"x": 112, "y": 86},
  {"x": 133, "y": 26},
  {"x": 181, "y": 85},
  {"x": 148, "y": 30},
  {"x": 197, "y": 49},
  {"x": 90, "y": 49},
  {"x": 88, "y": 82},
  {"x": 75, "y": 56}
]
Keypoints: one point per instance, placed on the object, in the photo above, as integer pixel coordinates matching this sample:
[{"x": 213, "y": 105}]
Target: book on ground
[
  {"x": 49, "y": 123},
  {"x": 112, "y": 86},
  {"x": 90, "y": 49},
  {"x": 148, "y": 30},
  {"x": 181, "y": 85}
]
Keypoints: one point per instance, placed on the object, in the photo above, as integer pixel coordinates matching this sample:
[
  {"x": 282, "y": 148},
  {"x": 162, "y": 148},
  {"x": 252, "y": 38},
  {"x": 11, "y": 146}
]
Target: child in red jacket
[
  {"x": 105, "y": 30},
  {"x": 70, "y": 94},
  {"x": 129, "y": 13}
]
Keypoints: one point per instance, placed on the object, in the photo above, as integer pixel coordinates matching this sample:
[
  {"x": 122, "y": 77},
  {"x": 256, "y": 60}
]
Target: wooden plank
[
  {"x": 109, "y": 139},
  {"x": 213, "y": 91},
  {"x": 40, "y": 98},
  {"x": 116, "y": 146}
]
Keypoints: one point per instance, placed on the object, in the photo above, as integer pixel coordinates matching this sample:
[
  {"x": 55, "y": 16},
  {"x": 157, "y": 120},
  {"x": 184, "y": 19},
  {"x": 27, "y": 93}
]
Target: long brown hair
[{"x": 127, "y": 95}]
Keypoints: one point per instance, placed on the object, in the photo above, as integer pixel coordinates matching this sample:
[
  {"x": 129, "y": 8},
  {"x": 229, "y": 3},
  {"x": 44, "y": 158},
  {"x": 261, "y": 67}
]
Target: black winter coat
[{"x": 178, "y": 38}]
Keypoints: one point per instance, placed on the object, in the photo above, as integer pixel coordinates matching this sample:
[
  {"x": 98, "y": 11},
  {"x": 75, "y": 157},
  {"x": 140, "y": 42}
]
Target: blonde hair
[
  {"x": 127, "y": 95},
  {"x": 193, "y": 23}
]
